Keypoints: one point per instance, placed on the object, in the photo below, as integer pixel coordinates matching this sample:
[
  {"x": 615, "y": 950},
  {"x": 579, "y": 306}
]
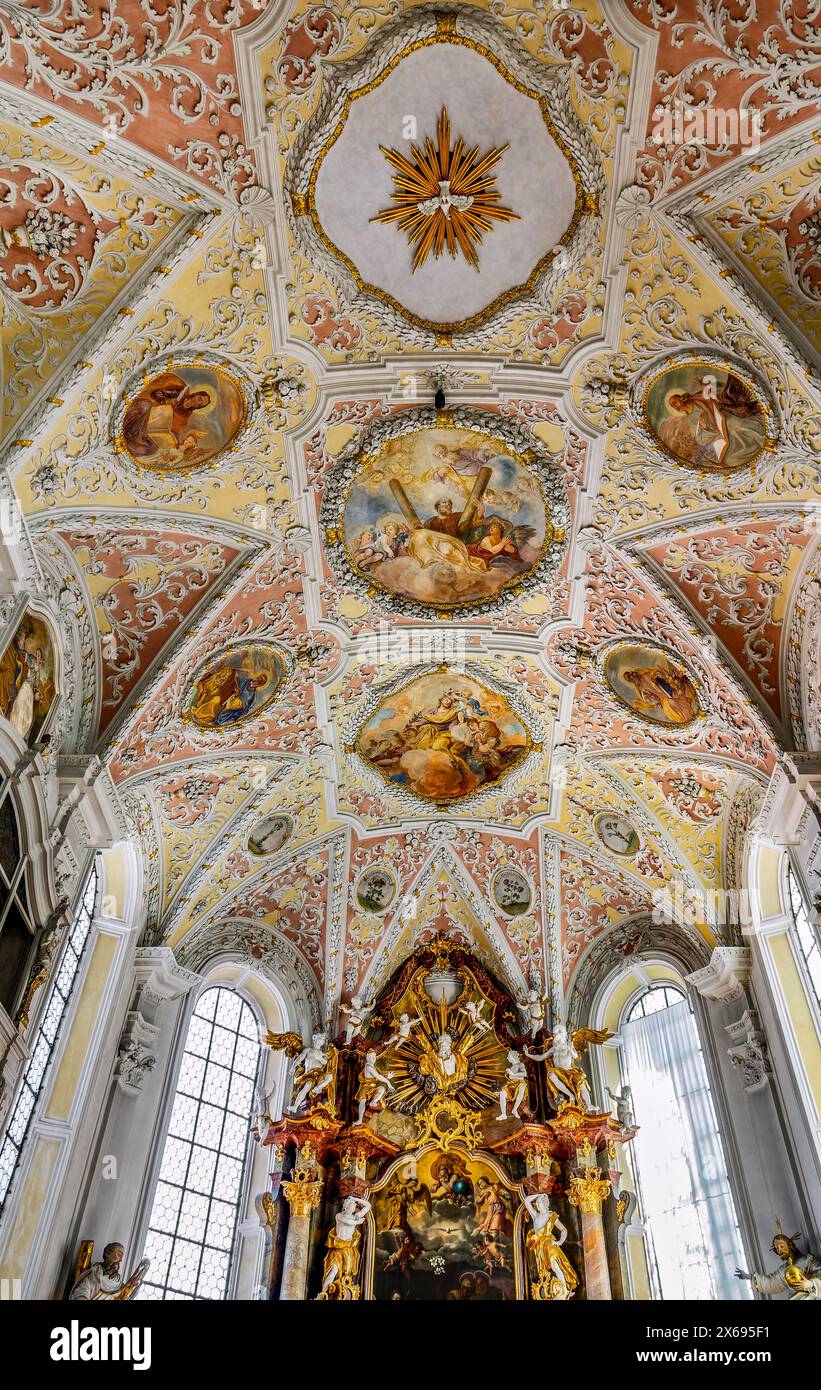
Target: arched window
[
  {"x": 681, "y": 1171},
  {"x": 192, "y": 1229},
  {"x": 17, "y": 928},
  {"x": 45, "y": 1038},
  {"x": 806, "y": 933}
]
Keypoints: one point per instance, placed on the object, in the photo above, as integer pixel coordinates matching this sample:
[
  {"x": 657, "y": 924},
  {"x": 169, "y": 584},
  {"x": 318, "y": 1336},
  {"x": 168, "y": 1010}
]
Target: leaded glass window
[
  {"x": 201, "y": 1183},
  {"x": 45, "y": 1039},
  {"x": 17, "y": 928},
  {"x": 806, "y": 933}
]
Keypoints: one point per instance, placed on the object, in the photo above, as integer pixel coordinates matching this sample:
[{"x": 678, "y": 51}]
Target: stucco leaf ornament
[{"x": 633, "y": 208}]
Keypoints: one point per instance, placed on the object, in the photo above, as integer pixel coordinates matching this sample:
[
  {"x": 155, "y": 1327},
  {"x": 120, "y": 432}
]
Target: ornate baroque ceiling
[{"x": 243, "y": 245}]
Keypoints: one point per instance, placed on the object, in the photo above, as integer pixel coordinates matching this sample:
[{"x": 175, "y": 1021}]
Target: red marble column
[{"x": 588, "y": 1190}]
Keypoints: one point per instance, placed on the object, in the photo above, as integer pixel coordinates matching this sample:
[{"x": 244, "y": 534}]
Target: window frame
[
  {"x": 82, "y": 922},
  {"x": 153, "y": 1175},
  {"x": 11, "y": 888},
  {"x": 627, "y": 1014},
  {"x": 794, "y": 888}
]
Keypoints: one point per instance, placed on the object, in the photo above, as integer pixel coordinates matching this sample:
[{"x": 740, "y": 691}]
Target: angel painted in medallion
[
  {"x": 443, "y": 736},
  {"x": 445, "y": 517}
]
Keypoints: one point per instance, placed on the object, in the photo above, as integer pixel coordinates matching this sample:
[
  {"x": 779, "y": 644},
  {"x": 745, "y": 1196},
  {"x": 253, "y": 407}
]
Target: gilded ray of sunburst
[{"x": 445, "y": 199}]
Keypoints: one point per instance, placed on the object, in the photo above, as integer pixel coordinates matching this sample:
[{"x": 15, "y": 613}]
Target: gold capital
[
  {"x": 589, "y": 1191},
  {"x": 303, "y": 1192}
]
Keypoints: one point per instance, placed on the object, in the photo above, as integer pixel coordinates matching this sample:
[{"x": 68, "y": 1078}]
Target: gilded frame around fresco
[
  {"x": 699, "y": 357},
  {"x": 517, "y": 443},
  {"x": 204, "y": 360},
  {"x": 681, "y": 666},
  {"x": 378, "y": 698}
]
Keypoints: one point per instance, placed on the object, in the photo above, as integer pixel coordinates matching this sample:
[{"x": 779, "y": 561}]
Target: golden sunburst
[{"x": 445, "y": 199}]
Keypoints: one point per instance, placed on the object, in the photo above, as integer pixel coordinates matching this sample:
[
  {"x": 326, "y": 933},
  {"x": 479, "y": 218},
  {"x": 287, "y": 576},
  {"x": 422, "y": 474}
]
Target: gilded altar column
[
  {"x": 588, "y": 1190},
  {"x": 302, "y": 1194}
]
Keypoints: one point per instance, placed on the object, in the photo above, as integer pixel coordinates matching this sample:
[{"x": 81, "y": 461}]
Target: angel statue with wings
[{"x": 566, "y": 1082}]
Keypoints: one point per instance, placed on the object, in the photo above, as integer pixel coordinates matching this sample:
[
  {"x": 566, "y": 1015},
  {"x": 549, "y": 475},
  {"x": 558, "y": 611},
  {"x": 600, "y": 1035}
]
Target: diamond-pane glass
[
  {"x": 44, "y": 1039},
  {"x": 196, "y": 1203}
]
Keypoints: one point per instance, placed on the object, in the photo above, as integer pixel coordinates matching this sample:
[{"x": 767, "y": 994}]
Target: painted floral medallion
[
  {"x": 511, "y": 892},
  {"x": 375, "y": 890},
  {"x": 617, "y": 833}
]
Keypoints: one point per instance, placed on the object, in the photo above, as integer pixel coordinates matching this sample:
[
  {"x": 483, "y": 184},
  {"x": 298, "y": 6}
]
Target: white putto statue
[
  {"x": 533, "y": 1011},
  {"x": 373, "y": 1086},
  {"x": 358, "y": 1015},
  {"x": 514, "y": 1087},
  {"x": 404, "y": 1027}
]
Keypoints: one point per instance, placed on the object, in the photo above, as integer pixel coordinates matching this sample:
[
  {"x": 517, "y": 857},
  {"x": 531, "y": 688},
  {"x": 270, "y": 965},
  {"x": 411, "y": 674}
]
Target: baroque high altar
[{"x": 434, "y": 1151}]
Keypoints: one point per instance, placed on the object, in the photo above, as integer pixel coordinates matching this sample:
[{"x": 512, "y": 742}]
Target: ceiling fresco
[{"x": 420, "y": 431}]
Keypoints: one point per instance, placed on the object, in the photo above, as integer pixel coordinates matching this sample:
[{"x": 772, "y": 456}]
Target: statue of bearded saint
[
  {"x": 446, "y": 1068},
  {"x": 102, "y": 1280}
]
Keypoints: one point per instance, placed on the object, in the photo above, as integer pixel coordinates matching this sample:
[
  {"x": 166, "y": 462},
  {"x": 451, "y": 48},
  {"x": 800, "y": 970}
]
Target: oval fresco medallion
[
  {"x": 375, "y": 890},
  {"x": 28, "y": 677},
  {"x": 511, "y": 892},
  {"x": 707, "y": 415},
  {"x": 617, "y": 833},
  {"x": 239, "y": 684},
  {"x": 182, "y": 414},
  {"x": 443, "y": 736},
  {"x": 269, "y": 835},
  {"x": 443, "y": 515},
  {"x": 653, "y": 685}
]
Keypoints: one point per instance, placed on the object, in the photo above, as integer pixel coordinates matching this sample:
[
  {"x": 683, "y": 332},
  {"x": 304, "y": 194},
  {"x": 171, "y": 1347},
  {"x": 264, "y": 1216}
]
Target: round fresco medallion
[
  {"x": 269, "y": 835},
  {"x": 511, "y": 892},
  {"x": 444, "y": 518},
  {"x": 707, "y": 415},
  {"x": 617, "y": 833},
  {"x": 443, "y": 736},
  {"x": 651, "y": 684},
  {"x": 238, "y": 685},
  {"x": 183, "y": 415},
  {"x": 375, "y": 890}
]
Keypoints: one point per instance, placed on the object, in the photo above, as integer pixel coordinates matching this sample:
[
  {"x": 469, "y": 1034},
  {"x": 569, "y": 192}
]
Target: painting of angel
[
  {"x": 443, "y": 736},
  {"x": 445, "y": 517},
  {"x": 445, "y": 1227}
]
